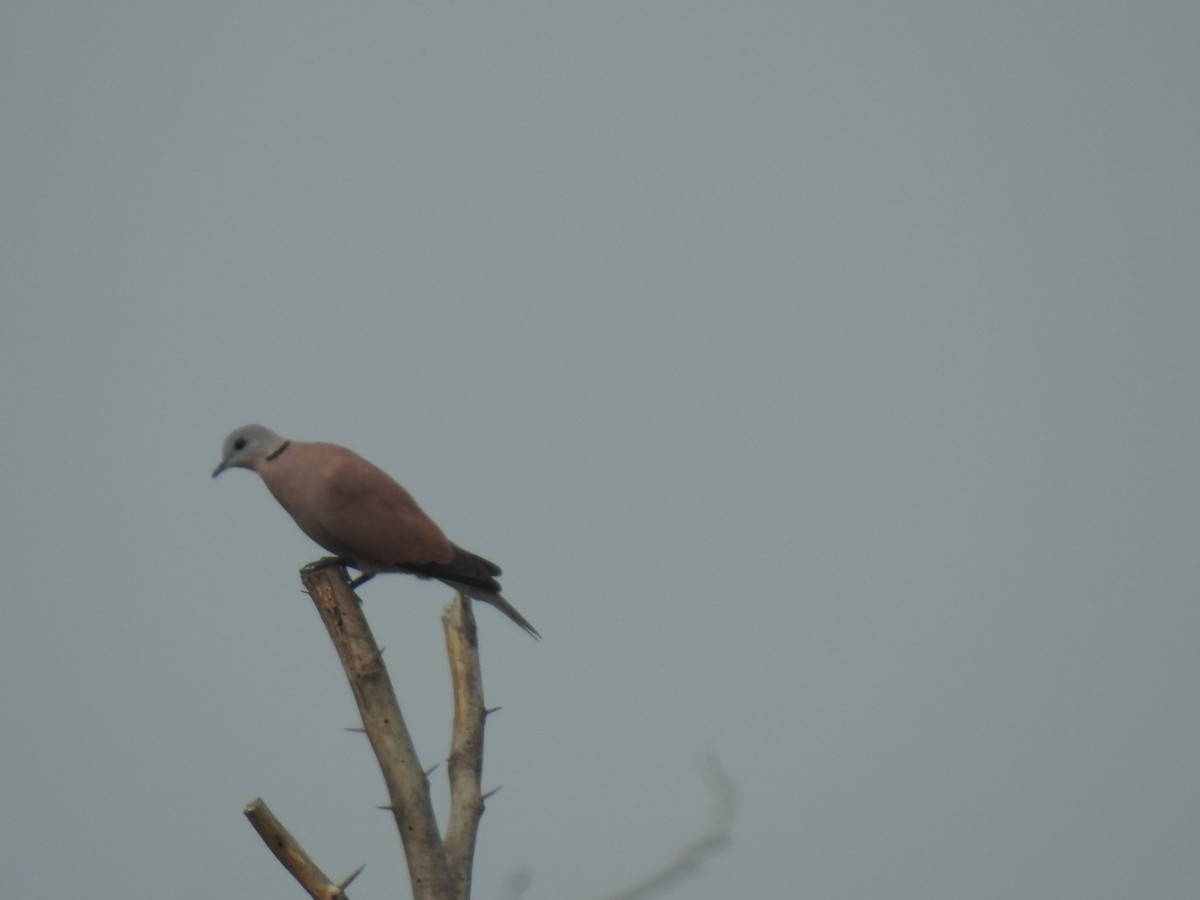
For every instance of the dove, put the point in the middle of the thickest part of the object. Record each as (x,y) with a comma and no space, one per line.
(360,514)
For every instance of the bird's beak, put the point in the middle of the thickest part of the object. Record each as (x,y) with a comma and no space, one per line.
(219,469)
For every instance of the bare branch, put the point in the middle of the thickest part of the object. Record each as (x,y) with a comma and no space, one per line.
(688,860)
(465,765)
(408,788)
(289,852)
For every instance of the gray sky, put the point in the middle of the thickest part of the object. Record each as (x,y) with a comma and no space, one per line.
(825,380)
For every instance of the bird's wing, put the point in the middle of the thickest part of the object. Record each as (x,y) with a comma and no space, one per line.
(368,516)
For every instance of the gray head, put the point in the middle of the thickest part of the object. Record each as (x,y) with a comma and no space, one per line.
(246,447)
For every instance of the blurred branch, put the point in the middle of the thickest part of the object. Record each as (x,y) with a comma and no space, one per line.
(289,852)
(687,861)
(465,766)
(408,788)
(516,884)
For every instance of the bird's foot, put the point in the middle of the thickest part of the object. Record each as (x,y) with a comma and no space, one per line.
(326,562)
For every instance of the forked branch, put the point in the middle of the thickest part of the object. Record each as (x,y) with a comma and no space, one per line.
(408,788)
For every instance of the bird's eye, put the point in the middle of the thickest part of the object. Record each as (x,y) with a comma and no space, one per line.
(239,444)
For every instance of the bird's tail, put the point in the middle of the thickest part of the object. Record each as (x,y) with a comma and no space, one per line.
(476,577)
(494,598)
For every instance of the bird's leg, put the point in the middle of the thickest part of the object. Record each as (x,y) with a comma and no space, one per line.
(361,579)
(327,562)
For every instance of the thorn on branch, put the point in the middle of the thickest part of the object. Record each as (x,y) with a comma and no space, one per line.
(345,882)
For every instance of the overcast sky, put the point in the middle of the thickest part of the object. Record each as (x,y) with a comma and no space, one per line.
(824,377)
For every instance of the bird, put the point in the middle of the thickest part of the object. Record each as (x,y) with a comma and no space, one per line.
(360,514)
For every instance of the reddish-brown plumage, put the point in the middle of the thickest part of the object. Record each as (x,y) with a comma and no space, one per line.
(358,512)
(353,508)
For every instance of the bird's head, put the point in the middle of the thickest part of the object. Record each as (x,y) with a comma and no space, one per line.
(246,447)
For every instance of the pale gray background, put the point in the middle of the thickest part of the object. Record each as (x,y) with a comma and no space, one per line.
(824,377)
